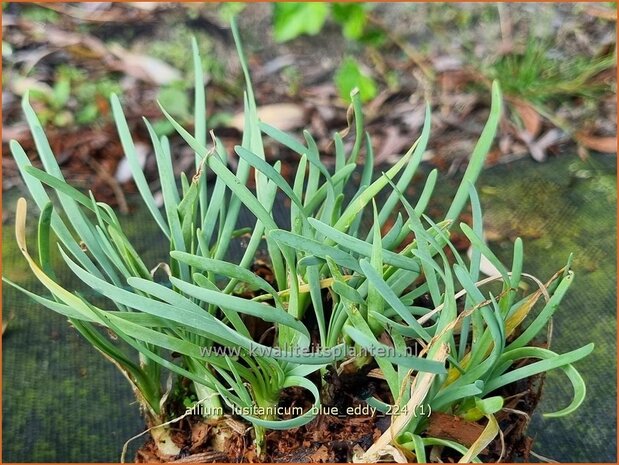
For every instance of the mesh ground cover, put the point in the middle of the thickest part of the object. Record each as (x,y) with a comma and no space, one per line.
(62,402)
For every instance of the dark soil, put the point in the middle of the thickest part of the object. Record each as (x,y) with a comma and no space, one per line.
(334,439)
(335,435)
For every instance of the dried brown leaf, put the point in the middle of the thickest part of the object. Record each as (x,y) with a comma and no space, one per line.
(599,144)
(20,85)
(283,116)
(453,428)
(320,456)
(145,68)
(602,12)
(529,116)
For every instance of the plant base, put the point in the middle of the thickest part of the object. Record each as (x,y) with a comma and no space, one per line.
(334,439)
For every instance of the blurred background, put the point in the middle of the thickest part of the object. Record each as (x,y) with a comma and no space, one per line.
(550,176)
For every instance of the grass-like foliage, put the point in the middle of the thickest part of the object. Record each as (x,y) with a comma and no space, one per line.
(540,78)
(358,288)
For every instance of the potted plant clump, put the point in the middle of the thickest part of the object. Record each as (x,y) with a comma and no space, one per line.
(354,345)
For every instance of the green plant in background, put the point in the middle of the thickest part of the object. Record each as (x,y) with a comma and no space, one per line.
(350,76)
(174,51)
(538,77)
(546,81)
(227,11)
(174,96)
(293,19)
(468,341)
(175,99)
(290,20)
(36,13)
(74,98)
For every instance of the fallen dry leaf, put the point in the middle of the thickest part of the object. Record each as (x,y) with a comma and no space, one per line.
(454,81)
(147,6)
(283,116)
(529,116)
(98,12)
(599,11)
(72,41)
(454,428)
(391,144)
(145,68)
(20,85)
(599,144)
(199,435)
(320,456)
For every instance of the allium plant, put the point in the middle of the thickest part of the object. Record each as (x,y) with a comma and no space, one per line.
(469,340)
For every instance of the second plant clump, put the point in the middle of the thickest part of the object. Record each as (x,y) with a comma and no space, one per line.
(338,296)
